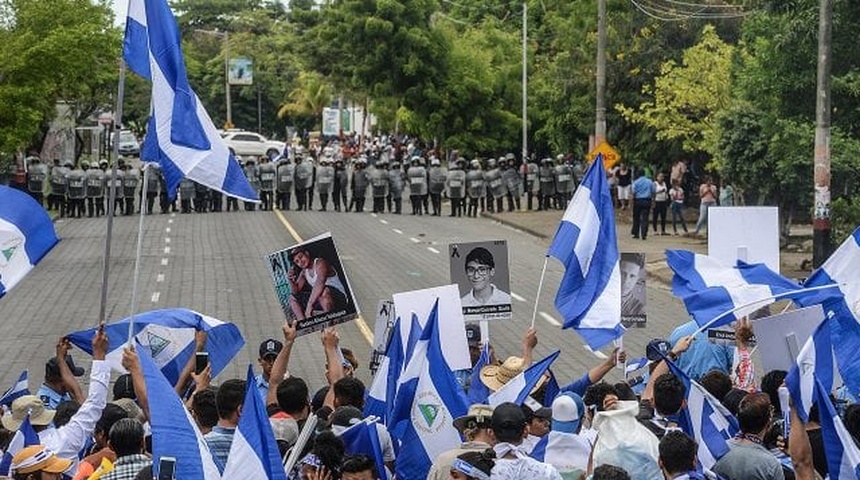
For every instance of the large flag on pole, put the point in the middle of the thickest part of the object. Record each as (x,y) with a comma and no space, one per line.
(168,334)
(380,396)
(843,456)
(428,401)
(709,288)
(589,296)
(26,235)
(180,135)
(814,364)
(254,453)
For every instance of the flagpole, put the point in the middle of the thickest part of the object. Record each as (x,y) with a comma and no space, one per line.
(137,256)
(117,123)
(761,300)
(540,287)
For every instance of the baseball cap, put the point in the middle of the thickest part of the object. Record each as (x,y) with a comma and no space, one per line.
(473,335)
(508,417)
(54,369)
(270,347)
(656,349)
(543,412)
(567,411)
(38,458)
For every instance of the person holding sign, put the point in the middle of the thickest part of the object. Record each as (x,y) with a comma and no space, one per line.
(480,270)
(315,285)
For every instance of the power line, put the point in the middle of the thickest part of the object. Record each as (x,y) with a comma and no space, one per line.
(677,10)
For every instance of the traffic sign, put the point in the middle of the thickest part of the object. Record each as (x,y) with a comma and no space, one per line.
(610,156)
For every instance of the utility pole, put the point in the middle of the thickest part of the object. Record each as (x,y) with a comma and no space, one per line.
(600,111)
(227,80)
(525,85)
(821,217)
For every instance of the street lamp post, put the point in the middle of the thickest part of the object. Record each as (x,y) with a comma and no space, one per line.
(229,123)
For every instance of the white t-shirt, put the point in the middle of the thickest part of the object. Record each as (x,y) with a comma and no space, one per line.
(497,298)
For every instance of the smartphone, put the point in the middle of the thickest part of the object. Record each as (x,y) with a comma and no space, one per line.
(201,359)
(167,468)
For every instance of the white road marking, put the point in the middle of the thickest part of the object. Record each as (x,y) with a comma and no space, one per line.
(170,221)
(414,240)
(173,214)
(550,319)
(518,298)
(159,278)
(384,222)
(596,353)
(163,262)
(166,239)
(373,215)
(432,249)
(155,297)
(166,250)
(399,232)
(167,230)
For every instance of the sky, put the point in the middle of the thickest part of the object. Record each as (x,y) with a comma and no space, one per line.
(120,7)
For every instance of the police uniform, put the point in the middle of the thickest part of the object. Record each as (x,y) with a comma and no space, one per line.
(186,194)
(130,182)
(341,185)
(417,177)
(513,184)
(563,185)
(325,182)
(532,184)
(359,182)
(267,174)
(455,181)
(436,185)
(395,188)
(95,190)
(59,188)
(285,172)
(304,173)
(201,198)
(547,184)
(379,184)
(164,201)
(475,188)
(152,186)
(36,176)
(77,192)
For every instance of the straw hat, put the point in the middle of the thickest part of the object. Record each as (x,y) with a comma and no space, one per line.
(496,376)
(31,404)
(477,415)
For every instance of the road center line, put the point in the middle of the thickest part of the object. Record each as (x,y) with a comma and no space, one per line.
(518,298)
(366,332)
(167,230)
(414,240)
(166,239)
(166,250)
(373,215)
(432,249)
(550,319)
(163,262)
(170,221)
(159,278)
(155,297)
(397,231)
(384,222)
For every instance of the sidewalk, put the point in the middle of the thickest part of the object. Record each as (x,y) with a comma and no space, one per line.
(543,224)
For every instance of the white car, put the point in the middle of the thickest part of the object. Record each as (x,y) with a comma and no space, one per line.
(243,144)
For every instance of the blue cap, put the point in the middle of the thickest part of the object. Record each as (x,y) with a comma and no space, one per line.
(567,411)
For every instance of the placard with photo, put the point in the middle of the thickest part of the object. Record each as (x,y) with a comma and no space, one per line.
(481,271)
(633,293)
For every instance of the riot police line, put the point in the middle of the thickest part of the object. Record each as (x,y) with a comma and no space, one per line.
(299,179)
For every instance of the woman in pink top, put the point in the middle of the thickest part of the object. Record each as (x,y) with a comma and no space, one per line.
(708,198)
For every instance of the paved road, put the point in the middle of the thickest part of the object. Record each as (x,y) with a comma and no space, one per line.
(213,263)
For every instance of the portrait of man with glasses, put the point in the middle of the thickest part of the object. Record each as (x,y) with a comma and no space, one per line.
(480,272)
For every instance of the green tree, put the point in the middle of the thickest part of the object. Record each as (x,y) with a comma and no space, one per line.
(308,99)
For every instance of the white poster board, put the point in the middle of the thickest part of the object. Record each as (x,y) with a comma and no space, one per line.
(750,234)
(781,337)
(452,328)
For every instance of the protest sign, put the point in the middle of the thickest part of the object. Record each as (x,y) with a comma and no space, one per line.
(750,234)
(311,285)
(633,293)
(385,318)
(480,270)
(452,329)
(781,336)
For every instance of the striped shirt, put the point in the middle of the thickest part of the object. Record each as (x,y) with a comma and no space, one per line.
(219,441)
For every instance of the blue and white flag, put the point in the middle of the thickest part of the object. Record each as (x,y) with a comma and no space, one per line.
(705,419)
(427,403)
(168,334)
(26,235)
(18,390)
(174,432)
(478,392)
(517,389)
(380,396)
(589,296)
(180,135)
(843,456)
(26,436)
(842,306)
(814,364)
(635,364)
(709,288)
(363,439)
(565,451)
(254,453)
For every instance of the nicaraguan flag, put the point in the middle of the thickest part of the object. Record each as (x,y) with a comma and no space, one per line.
(705,419)
(709,288)
(843,456)
(519,387)
(636,364)
(26,235)
(18,390)
(380,396)
(842,306)
(814,364)
(589,296)
(478,392)
(427,403)
(254,453)
(180,135)
(26,436)
(363,439)
(565,451)
(168,334)
(174,433)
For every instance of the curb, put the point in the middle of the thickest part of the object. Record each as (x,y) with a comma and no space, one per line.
(513,224)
